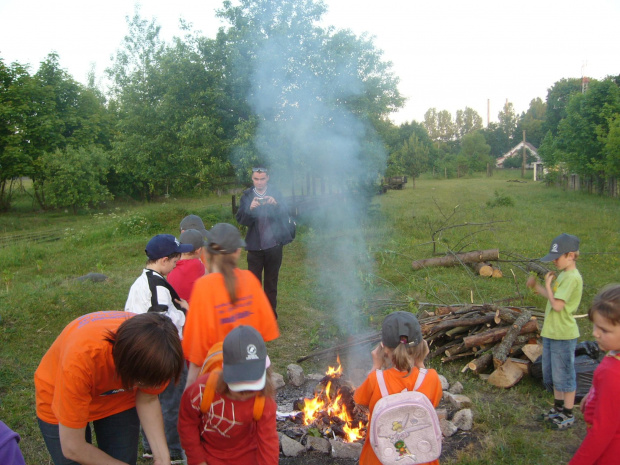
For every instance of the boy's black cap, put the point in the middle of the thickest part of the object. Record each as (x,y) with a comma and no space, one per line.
(399,324)
(193,222)
(162,245)
(226,237)
(192,237)
(562,244)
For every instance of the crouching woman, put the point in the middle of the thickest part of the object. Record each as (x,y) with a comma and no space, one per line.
(107,368)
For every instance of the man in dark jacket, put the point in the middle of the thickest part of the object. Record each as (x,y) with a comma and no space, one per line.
(263,210)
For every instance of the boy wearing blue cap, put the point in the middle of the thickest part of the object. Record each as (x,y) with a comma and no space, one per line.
(152,293)
(560,330)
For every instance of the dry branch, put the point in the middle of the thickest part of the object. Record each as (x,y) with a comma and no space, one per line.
(496,334)
(502,350)
(455,259)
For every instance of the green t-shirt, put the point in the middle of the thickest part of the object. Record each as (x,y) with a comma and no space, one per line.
(562,325)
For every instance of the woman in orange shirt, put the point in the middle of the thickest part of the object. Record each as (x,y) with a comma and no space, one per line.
(107,368)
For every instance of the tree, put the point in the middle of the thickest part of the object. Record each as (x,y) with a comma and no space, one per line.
(474,152)
(467,121)
(507,125)
(412,158)
(558,97)
(532,122)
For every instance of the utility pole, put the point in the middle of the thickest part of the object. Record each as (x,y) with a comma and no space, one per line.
(524,157)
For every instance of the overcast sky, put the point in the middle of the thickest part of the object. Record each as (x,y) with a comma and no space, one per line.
(448,54)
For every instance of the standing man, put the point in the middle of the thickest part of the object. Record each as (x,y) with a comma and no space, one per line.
(263,210)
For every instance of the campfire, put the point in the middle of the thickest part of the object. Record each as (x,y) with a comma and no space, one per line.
(332,412)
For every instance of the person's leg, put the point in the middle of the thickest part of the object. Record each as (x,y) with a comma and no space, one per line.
(170,401)
(51,437)
(256,263)
(117,435)
(273,261)
(564,379)
(546,364)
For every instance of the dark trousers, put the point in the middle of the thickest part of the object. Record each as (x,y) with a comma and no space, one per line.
(269,262)
(117,435)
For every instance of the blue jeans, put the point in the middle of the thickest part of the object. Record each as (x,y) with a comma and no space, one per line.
(170,401)
(117,435)
(558,364)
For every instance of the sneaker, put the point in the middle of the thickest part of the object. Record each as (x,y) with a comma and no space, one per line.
(548,416)
(562,421)
(176,457)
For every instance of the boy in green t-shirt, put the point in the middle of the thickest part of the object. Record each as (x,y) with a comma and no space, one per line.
(560,330)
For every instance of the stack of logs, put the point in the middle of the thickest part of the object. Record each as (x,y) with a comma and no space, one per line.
(504,339)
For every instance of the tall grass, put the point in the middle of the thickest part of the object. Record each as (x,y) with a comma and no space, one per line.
(39,294)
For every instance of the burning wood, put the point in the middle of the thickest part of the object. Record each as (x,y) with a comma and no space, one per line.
(332,411)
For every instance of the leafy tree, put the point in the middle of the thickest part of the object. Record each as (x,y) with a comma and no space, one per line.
(507,125)
(467,121)
(558,97)
(411,159)
(74,178)
(611,148)
(532,122)
(474,154)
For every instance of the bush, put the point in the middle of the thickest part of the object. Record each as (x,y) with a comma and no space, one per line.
(500,200)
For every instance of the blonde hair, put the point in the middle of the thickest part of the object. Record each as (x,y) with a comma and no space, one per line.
(225,264)
(404,357)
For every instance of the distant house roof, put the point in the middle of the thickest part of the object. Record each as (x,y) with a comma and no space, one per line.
(517,150)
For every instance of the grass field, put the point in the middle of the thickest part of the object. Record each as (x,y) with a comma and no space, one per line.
(39,294)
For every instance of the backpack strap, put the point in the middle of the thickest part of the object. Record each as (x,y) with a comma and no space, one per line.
(383,387)
(214,359)
(155,280)
(209,393)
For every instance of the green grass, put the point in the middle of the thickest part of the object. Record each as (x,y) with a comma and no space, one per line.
(39,294)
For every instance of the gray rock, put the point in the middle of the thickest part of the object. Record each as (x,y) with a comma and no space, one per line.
(447,428)
(318,444)
(278,380)
(94,277)
(445,385)
(463,419)
(290,447)
(456,388)
(345,450)
(442,413)
(295,374)
(459,401)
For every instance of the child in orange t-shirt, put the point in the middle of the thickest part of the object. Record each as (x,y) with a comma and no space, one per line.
(402,347)
(232,429)
(225,298)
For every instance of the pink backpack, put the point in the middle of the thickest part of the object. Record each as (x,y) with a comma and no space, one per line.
(404,428)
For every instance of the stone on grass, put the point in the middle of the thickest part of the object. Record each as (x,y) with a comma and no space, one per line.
(318,444)
(345,450)
(93,277)
(458,401)
(456,388)
(295,374)
(442,413)
(290,447)
(463,419)
(445,385)
(278,380)
(447,428)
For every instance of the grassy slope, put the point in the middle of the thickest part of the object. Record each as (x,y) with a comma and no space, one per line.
(38,294)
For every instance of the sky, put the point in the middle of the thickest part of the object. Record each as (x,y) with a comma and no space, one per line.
(448,54)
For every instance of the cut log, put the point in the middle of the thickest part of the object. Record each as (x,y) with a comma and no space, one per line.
(455,323)
(481,363)
(456,357)
(459,349)
(533,351)
(521,364)
(502,350)
(506,315)
(496,334)
(506,376)
(496,273)
(483,269)
(452,260)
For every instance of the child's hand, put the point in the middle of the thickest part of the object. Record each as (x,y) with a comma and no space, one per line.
(531,282)
(549,277)
(377,357)
(183,303)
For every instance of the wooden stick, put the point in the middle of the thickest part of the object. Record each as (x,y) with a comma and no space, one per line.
(501,350)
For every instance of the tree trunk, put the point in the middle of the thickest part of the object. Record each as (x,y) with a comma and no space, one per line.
(483,269)
(501,350)
(496,334)
(481,363)
(452,260)
(506,376)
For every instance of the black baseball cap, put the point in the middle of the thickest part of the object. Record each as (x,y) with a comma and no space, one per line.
(399,325)
(162,245)
(226,237)
(245,359)
(562,244)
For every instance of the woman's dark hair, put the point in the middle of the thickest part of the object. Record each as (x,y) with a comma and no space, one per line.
(607,303)
(169,257)
(147,351)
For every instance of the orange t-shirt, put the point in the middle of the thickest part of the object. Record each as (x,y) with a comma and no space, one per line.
(76,381)
(211,316)
(369,394)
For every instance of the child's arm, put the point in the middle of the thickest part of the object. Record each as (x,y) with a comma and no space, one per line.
(536,287)
(556,304)
(189,426)
(268,451)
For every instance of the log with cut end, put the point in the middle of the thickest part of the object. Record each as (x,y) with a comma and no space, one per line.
(533,351)
(483,269)
(502,350)
(455,259)
(481,363)
(496,273)
(506,376)
(521,364)
(496,334)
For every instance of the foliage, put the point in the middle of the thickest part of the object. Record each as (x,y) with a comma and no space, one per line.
(558,97)
(532,122)
(475,152)
(73,178)
(500,199)
(516,161)
(412,158)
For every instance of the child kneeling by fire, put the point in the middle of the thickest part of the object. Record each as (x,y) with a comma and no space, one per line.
(229,416)
(400,359)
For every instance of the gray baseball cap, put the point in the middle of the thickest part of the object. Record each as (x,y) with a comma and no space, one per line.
(192,237)
(399,325)
(224,238)
(562,244)
(193,222)
(245,359)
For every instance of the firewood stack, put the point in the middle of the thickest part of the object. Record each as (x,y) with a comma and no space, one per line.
(502,339)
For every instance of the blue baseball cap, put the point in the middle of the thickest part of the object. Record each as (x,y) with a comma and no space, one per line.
(162,245)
